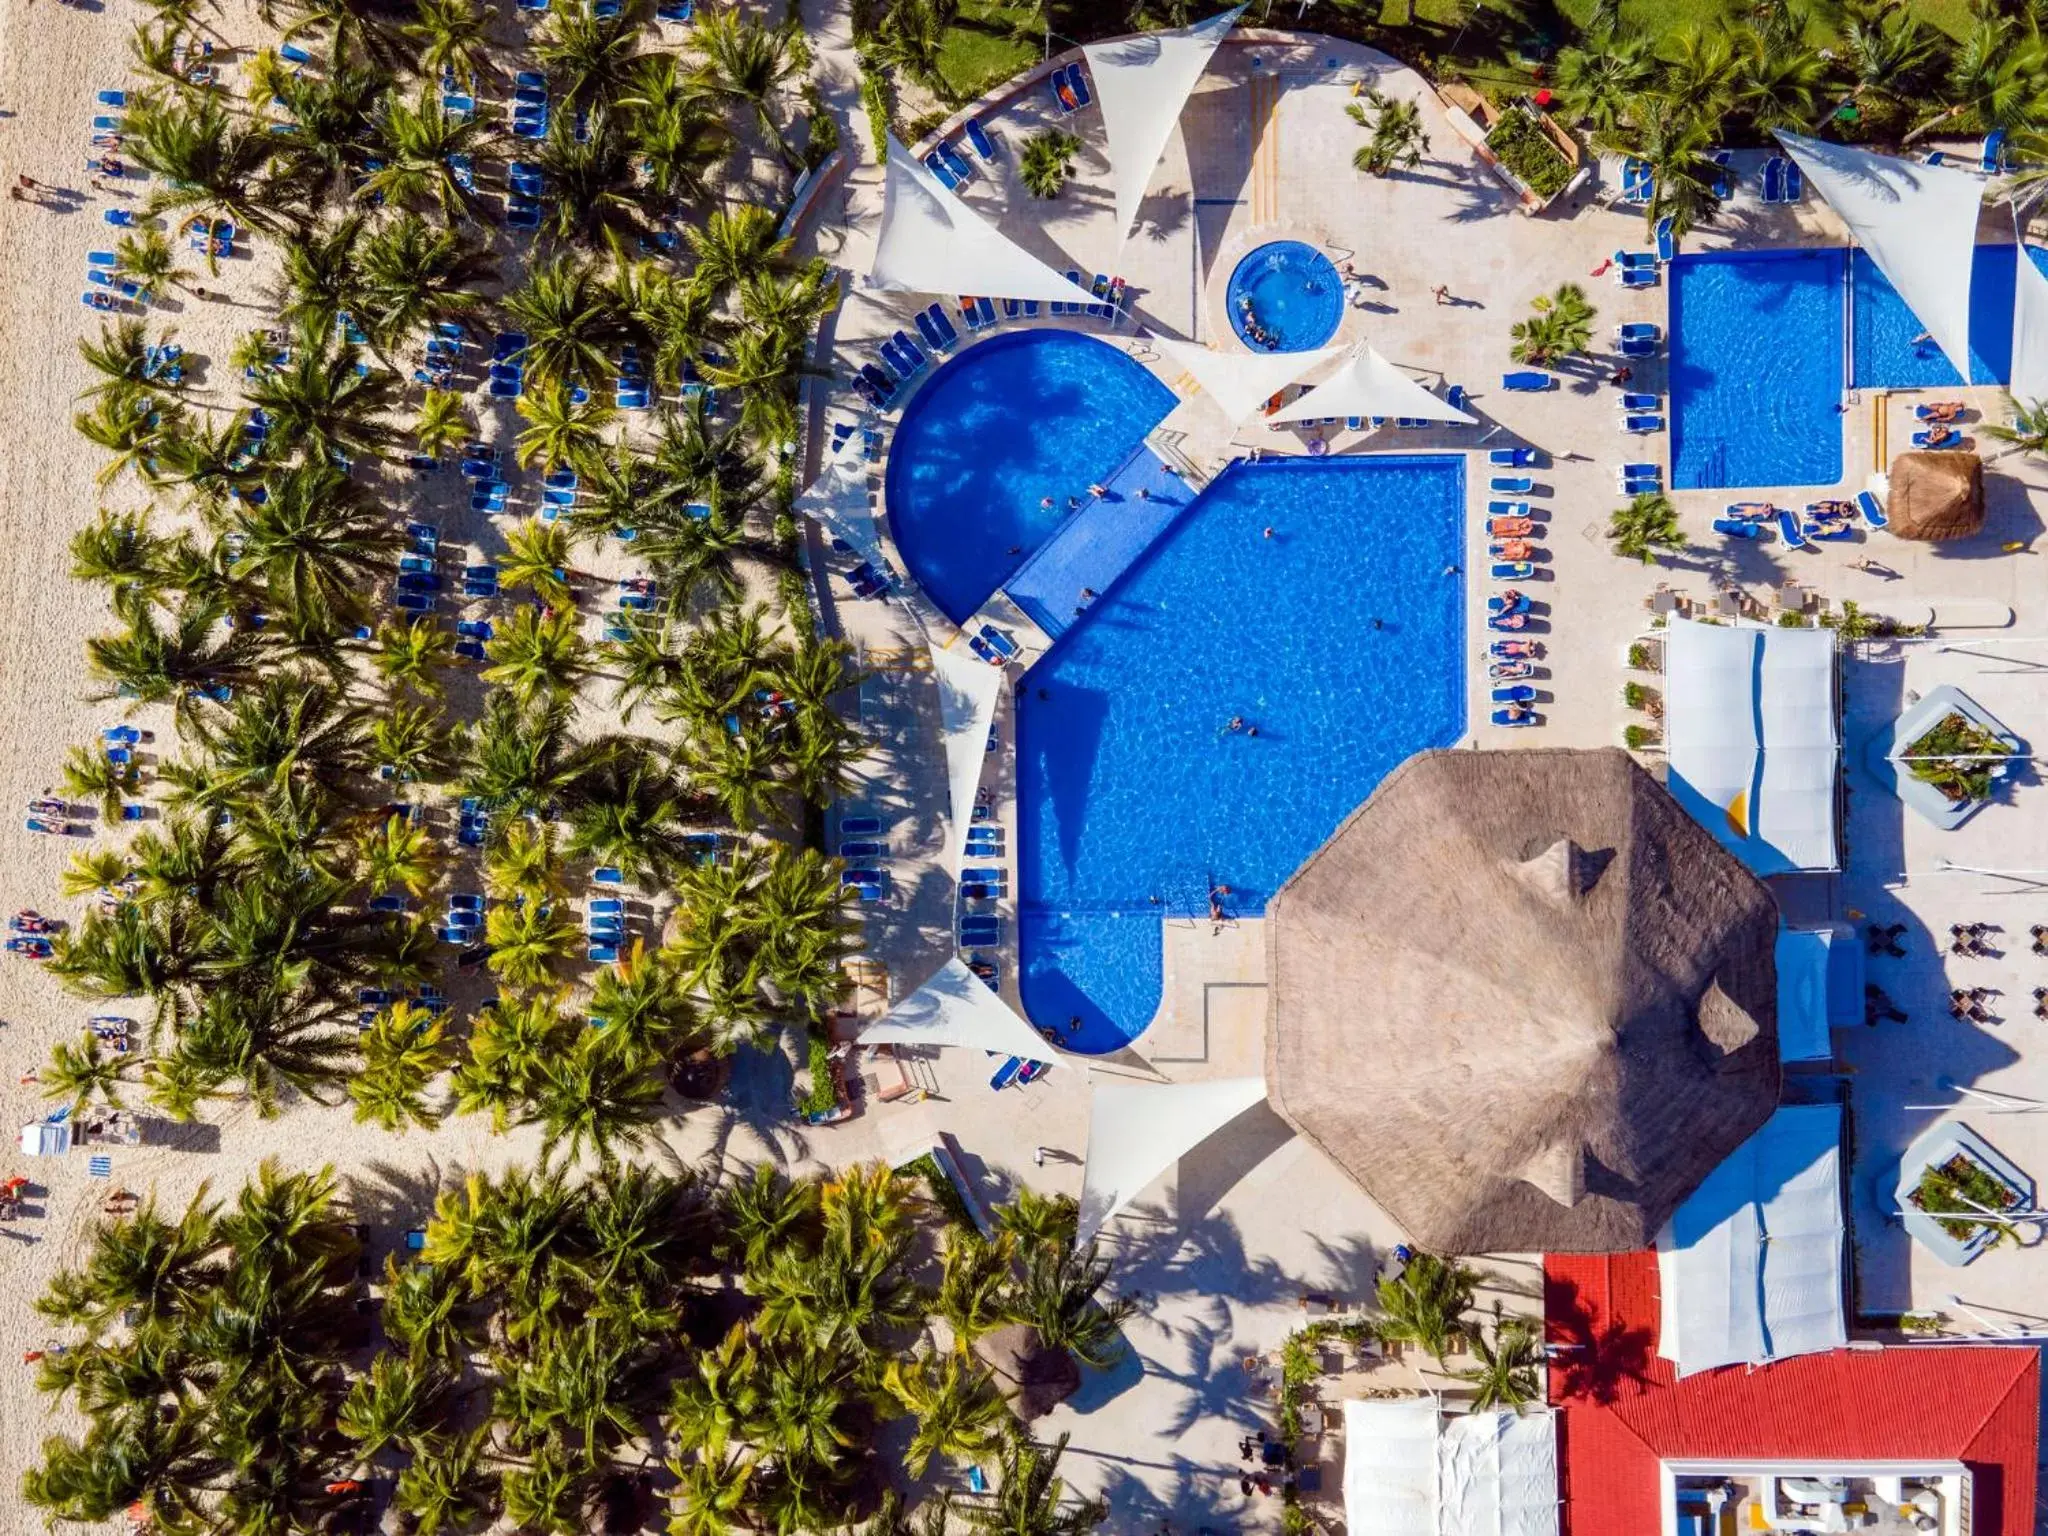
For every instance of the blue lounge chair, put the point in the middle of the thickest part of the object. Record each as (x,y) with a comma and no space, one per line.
(941,171)
(1940,438)
(1642,425)
(1630,402)
(1456,398)
(603,954)
(1638,346)
(979,141)
(678,11)
(113,98)
(1739,527)
(1788,530)
(1638,330)
(1992,160)
(863,849)
(944,326)
(1635,260)
(120,218)
(1795,182)
(1507,717)
(962,171)
(929,331)
(1667,239)
(1498,603)
(910,351)
(1507,509)
(985,309)
(1513,485)
(1872,509)
(1006,1074)
(292,53)
(1077,77)
(1637,277)
(859,826)
(1527,381)
(1515,693)
(985,874)
(1774,179)
(1513,570)
(1724,180)
(1513,458)
(1838,533)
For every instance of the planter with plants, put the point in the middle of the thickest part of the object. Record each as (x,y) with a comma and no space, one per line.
(1958,758)
(1966,1187)
(1953,1186)
(1946,756)
(1524,150)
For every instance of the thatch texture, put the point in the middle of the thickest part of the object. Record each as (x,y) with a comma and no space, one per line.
(1032,1378)
(1525,1000)
(1936,495)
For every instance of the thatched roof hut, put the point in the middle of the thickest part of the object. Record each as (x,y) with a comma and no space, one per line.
(1033,1378)
(1524,1000)
(1936,495)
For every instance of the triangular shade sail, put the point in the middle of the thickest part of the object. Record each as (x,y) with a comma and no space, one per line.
(931,242)
(838,499)
(956,1007)
(1917,221)
(1142,83)
(1136,1131)
(2029,326)
(1241,382)
(1369,385)
(968,691)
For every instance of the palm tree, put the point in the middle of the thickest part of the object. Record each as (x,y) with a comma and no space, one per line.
(211,460)
(404,1050)
(537,655)
(526,941)
(1047,161)
(1647,524)
(418,143)
(1397,142)
(602,1099)
(1998,75)
(323,402)
(714,1494)
(678,139)
(320,284)
(975,1284)
(131,424)
(646,1009)
(447,1487)
(82,1073)
(960,1415)
(1700,75)
(400,1403)
(1426,1303)
(410,739)
(744,65)
(150,664)
(412,275)
(413,652)
(592,58)
(92,775)
(318,543)
(444,423)
(398,855)
(120,357)
(1605,82)
(1057,1296)
(209,163)
(2029,429)
(569,321)
(452,37)
(765,368)
(560,430)
(324,146)
(511,1040)
(1561,327)
(518,760)
(118,549)
(592,181)
(1779,86)
(1678,150)
(765,1212)
(1508,1373)
(630,819)
(1030,1495)
(734,244)
(147,259)
(523,865)
(1888,53)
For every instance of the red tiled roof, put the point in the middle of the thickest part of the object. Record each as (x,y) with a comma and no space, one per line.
(1622,1409)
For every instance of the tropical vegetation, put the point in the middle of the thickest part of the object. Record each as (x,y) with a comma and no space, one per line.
(1647,524)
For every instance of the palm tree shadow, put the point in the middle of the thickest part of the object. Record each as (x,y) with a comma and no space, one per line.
(1599,1359)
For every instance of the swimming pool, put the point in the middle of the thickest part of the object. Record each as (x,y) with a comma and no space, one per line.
(1285,296)
(1756,369)
(1339,639)
(1888,353)
(1009,422)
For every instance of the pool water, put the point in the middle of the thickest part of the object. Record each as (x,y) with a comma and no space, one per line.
(1294,294)
(1756,369)
(1888,353)
(1339,639)
(1012,420)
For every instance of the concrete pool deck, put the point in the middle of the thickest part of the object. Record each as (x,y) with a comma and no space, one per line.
(1223,1248)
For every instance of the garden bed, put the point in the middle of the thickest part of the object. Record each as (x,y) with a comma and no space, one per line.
(1527,148)
(1955,756)
(1963,1184)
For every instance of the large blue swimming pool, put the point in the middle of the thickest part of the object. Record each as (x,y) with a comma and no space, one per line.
(1011,421)
(1339,639)
(1889,354)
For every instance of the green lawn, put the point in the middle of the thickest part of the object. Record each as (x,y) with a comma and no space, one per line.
(979,51)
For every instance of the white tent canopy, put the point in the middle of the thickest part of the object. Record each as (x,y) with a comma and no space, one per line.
(1142,82)
(1241,382)
(838,501)
(1751,739)
(1917,221)
(1136,1131)
(968,690)
(1368,385)
(956,1007)
(931,242)
(1751,1265)
(2029,325)
(1410,1472)
(1803,961)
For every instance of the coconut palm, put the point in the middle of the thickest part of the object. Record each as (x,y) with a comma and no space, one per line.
(257,1043)
(156,52)
(289,725)
(511,1040)
(631,819)
(1888,53)
(1057,1295)
(594,196)
(1998,75)
(447,1486)
(645,665)
(211,458)
(537,556)
(1030,1497)
(93,872)
(400,1403)
(765,368)
(1780,85)
(1700,75)
(744,66)
(960,1415)
(569,320)
(1678,150)
(147,259)
(452,38)
(1604,82)
(2029,428)
(974,1294)
(526,941)
(443,423)
(412,275)
(131,424)
(154,664)
(208,162)
(734,244)
(1509,1369)
(519,760)
(1647,524)
(397,855)
(1047,162)
(410,739)
(412,652)
(911,38)
(318,544)
(323,402)
(1426,1304)
(592,58)
(91,775)
(537,655)
(83,1073)
(523,865)
(320,284)
(680,141)
(118,549)
(325,145)
(418,143)
(646,1009)
(765,1212)
(560,430)
(1397,142)
(120,357)
(404,1050)
(594,1098)
(1562,326)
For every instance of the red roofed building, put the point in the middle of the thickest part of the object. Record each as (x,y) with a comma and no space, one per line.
(1625,1419)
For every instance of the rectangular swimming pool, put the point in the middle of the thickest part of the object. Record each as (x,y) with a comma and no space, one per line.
(1888,351)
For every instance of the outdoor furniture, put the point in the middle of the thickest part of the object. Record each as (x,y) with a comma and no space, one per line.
(1663,602)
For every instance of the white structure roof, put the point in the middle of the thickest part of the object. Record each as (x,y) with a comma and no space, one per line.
(956,1007)
(1241,382)
(46,1138)
(838,501)
(1751,1265)
(1752,740)
(968,690)
(1803,961)
(1141,83)
(2029,327)
(1917,221)
(1410,1472)
(931,242)
(1366,384)
(1136,1131)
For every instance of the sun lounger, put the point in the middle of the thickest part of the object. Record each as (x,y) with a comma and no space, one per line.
(859,826)
(1667,239)
(1638,330)
(1507,508)
(1774,179)
(120,218)
(1788,530)
(1512,485)
(1641,402)
(112,98)
(1528,381)
(1635,260)
(1637,348)
(1642,425)
(1739,527)
(1513,458)
(941,171)
(292,53)
(1499,603)
(1512,570)
(912,353)
(979,141)
(1514,693)
(1872,509)
(1636,277)
(1064,97)
(1077,77)
(962,171)
(1795,182)
(1509,717)
(1991,161)
(602,954)
(1940,438)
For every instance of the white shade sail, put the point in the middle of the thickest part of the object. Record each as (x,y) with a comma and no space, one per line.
(931,242)
(1390,1467)
(1750,1267)
(1136,1131)
(838,501)
(1803,961)
(956,1007)
(1368,385)
(1917,221)
(968,691)
(2029,324)
(1142,82)
(1241,382)
(1410,1472)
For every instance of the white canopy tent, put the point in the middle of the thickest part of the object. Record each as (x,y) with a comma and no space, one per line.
(1751,1265)
(838,501)
(968,690)
(1917,221)
(1803,959)
(1408,1471)
(1241,382)
(1142,82)
(1752,742)
(1367,384)
(46,1138)
(2029,323)
(956,1007)
(1136,1131)
(931,242)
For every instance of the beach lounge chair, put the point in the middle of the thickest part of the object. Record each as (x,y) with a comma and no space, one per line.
(1642,425)
(677,11)
(1724,180)
(990,874)
(1788,530)
(1512,485)
(607,875)
(1064,97)
(910,351)
(999,642)
(1457,399)
(943,325)
(1638,330)
(979,141)
(962,171)
(1509,717)
(1990,162)
(1774,179)
(1514,693)
(1512,570)
(1006,1074)
(1795,182)
(1631,402)
(1872,510)
(120,218)
(1739,527)
(1637,347)
(859,826)
(1940,438)
(1636,277)
(1667,239)
(1507,509)
(602,954)
(1835,533)
(1499,603)
(1635,260)
(1513,458)
(1077,77)
(112,98)
(1527,381)
(292,53)
(942,171)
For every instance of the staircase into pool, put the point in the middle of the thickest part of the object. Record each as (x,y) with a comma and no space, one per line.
(1104,538)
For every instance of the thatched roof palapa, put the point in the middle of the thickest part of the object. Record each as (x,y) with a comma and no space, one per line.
(1936,495)
(1525,1000)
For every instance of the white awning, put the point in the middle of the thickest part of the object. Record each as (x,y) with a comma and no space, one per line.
(1241,382)
(968,690)
(2029,325)
(1142,82)
(1751,1265)
(931,242)
(1410,1472)
(1917,221)
(838,501)
(956,1007)
(1751,739)
(1136,1131)
(1369,385)
(1803,960)
(46,1138)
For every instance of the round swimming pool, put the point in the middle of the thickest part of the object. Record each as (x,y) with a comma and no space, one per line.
(1285,296)
(989,452)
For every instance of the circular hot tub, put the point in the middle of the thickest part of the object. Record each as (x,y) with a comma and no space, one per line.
(1285,296)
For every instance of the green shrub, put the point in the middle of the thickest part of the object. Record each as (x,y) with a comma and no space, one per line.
(1637,737)
(1639,657)
(1950,755)
(821,1099)
(878,100)
(823,136)
(1519,143)
(941,1189)
(1635,695)
(1792,621)
(1962,1184)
